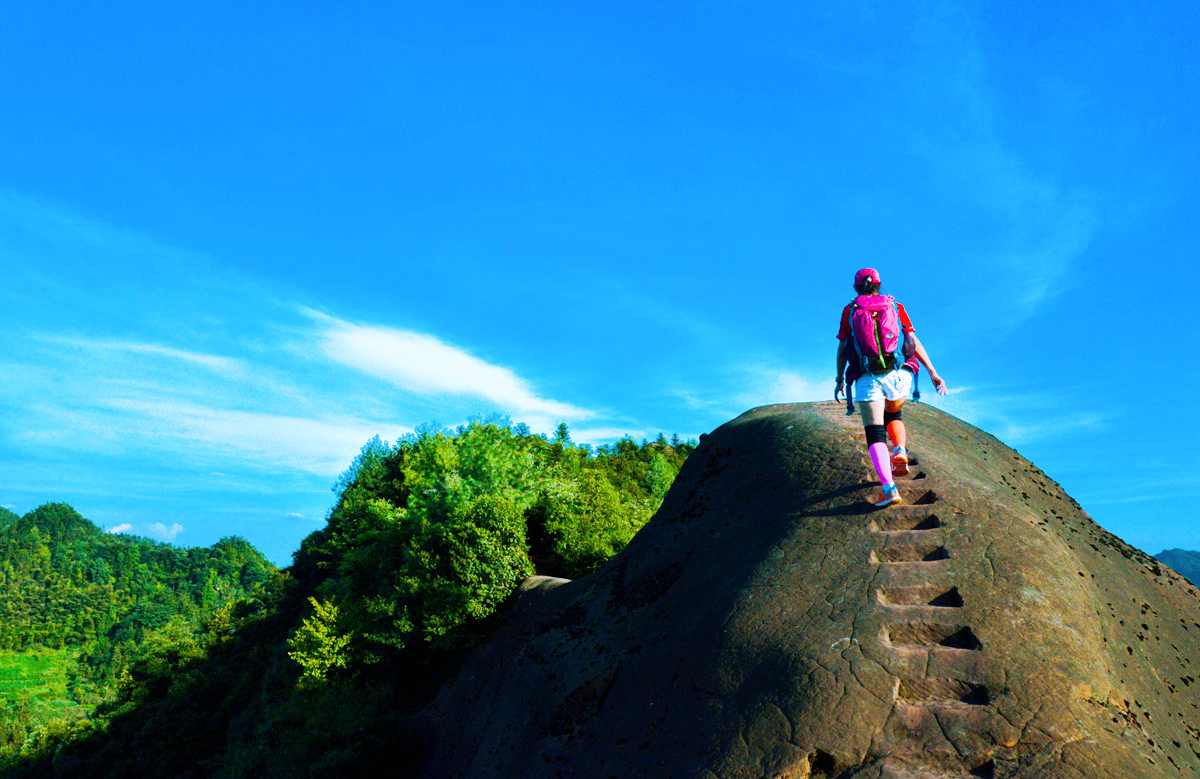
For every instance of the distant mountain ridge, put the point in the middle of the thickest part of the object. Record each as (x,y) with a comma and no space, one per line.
(57,520)
(66,582)
(1184,561)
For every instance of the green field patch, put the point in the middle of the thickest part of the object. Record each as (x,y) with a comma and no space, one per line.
(39,676)
(41,669)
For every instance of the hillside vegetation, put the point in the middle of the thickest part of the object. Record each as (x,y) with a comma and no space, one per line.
(318,672)
(80,609)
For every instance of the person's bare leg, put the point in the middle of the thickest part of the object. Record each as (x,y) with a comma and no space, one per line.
(871,411)
(877,448)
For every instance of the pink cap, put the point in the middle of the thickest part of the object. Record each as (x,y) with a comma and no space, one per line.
(867,274)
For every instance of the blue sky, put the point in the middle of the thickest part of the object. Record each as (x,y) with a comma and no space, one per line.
(239,240)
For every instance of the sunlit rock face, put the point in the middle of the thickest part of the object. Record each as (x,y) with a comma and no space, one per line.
(768,622)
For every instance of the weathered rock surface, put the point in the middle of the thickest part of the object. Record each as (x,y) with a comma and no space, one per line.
(769,623)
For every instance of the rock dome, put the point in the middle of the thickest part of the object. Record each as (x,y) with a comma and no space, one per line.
(768,622)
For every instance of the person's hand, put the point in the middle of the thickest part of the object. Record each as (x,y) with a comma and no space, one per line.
(838,390)
(939,384)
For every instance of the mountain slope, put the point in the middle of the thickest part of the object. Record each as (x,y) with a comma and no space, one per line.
(65,582)
(768,622)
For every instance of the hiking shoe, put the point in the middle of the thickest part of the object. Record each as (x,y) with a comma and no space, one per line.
(899,461)
(889,496)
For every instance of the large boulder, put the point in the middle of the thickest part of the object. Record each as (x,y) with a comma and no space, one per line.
(768,622)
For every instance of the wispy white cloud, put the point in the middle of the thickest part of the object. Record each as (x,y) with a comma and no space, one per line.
(425,365)
(792,387)
(1042,230)
(707,401)
(114,399)
(1168,492)
(765,384)
(93,345)
(156,530)
(162,532)
(111,397)
(1056,231)
(318,446)
(745,385)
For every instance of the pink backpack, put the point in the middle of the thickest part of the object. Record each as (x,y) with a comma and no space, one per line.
(878,337)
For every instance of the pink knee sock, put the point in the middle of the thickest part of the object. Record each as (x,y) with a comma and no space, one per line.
(881,458)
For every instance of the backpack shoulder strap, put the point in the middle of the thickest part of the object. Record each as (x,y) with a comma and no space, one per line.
(903,346)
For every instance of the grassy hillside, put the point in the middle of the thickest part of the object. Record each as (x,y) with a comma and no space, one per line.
(319,673)
(37,693)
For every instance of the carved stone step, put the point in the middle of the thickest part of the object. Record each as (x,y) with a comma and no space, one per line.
(926,692)
(935,595)
(906,520)
(927,634)
(911,553)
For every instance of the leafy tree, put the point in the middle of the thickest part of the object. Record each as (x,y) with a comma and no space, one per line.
(425,537)
(316,645)
(581,522)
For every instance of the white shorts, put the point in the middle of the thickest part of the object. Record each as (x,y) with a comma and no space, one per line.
(890,386)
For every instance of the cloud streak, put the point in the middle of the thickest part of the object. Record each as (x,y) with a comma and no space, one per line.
(122,398)
(422,364)
(262,411)
(317,446)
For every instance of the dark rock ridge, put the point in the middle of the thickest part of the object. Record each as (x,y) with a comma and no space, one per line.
(769,623)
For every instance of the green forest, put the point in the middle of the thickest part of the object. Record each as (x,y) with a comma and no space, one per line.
(80,607)
(210,662)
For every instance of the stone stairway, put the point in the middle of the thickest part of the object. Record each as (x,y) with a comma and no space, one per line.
(926,632)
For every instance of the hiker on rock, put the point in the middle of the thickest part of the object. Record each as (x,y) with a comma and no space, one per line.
(880,354)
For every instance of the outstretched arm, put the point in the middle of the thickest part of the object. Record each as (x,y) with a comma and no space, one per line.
(842,361)
(938,382)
